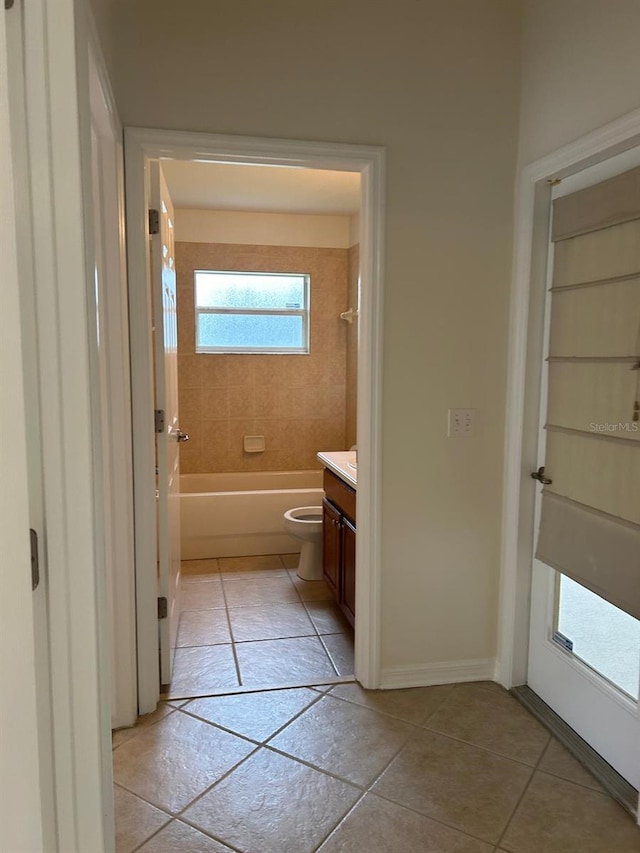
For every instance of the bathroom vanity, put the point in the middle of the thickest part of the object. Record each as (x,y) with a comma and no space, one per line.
(339,528)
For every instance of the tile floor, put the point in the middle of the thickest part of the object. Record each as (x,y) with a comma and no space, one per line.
(337,769)
(250,622)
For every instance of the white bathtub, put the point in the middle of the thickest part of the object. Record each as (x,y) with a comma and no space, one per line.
(233,515)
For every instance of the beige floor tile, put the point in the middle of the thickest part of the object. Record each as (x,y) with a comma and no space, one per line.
(252,564)
(465,787)
(340,650)
(195,571)
(201,669)
(490,719)
(135,820)
(172,762)
(353,742)
(254,715)
(270,622)
(253,591)
(556,816)
(273,804)
(276,662)
(177,837)
(487,685)
(378,825)
(327,617)
(121,736)
(202,596)
(413,704)
(290,561)
(559,762)
(311,590)
(203,628)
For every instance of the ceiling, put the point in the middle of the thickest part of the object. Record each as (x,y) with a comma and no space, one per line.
(268,189)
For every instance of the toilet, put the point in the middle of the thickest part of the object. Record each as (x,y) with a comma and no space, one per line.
(305,523)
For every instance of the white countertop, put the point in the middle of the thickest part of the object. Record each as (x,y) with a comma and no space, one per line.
(343,463)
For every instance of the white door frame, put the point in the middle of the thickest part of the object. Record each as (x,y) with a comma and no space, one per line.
(115,380)
(58,209)
(526,328)
(143,144)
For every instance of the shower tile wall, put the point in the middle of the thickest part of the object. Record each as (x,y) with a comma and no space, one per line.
(298,402)
(353,279)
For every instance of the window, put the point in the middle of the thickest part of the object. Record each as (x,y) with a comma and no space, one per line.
(251,312)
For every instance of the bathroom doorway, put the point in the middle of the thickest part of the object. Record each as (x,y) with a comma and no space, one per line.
(228,391)
(267,263)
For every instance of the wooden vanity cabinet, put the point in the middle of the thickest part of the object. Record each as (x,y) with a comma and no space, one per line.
(331,546)
(339,542)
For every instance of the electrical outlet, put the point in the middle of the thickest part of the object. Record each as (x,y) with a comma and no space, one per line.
(461,422)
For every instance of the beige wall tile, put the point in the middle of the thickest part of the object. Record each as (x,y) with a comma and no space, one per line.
(279,396)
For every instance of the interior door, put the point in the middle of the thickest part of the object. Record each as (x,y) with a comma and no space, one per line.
(584,654)
(168,435)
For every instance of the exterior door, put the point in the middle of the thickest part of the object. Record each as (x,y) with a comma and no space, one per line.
(168,435)
(584,657)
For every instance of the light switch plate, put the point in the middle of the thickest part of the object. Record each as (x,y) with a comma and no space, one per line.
(461,422)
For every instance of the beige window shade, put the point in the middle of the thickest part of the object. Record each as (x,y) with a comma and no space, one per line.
(590,522)
(608,203)
(596,550)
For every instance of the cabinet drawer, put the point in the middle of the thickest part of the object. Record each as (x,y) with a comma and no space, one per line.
(340,494)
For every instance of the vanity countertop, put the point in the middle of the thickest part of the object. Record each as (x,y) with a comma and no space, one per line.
(343,463)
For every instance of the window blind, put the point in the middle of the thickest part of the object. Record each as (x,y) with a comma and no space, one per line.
(590,521)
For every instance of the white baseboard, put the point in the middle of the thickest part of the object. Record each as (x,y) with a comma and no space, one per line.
(428,674)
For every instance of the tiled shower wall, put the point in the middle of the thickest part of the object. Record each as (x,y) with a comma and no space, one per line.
(352,345)
(298,402)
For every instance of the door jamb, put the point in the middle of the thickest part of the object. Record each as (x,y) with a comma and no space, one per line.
(532,208)
(142,144)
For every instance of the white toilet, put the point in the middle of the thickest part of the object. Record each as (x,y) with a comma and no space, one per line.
(305,523)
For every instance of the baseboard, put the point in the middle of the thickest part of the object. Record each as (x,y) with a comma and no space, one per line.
(428,674)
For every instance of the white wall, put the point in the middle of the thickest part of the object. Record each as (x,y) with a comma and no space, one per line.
(437,83)
(262,229)
(581,67)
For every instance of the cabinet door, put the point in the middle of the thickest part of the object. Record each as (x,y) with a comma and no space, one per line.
(349,569)
(331,529)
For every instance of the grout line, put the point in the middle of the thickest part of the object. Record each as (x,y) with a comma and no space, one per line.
(233,644)
(262,688)
(246,737)
(522,795)
(481,748)
(340,821)
(153,835)
(225,775)
(433,818)
(137,728)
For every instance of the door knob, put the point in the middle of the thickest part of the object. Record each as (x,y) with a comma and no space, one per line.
(182,436)
(539,475)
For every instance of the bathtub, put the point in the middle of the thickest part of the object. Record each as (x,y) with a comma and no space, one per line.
(233,515)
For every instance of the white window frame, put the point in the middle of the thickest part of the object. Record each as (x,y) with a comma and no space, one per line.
(296,312)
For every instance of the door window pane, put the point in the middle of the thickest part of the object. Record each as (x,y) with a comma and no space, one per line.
(604,637)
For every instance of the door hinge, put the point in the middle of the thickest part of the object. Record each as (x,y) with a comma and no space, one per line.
(154,221)
(35,560)
(163,607)
(159,420)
